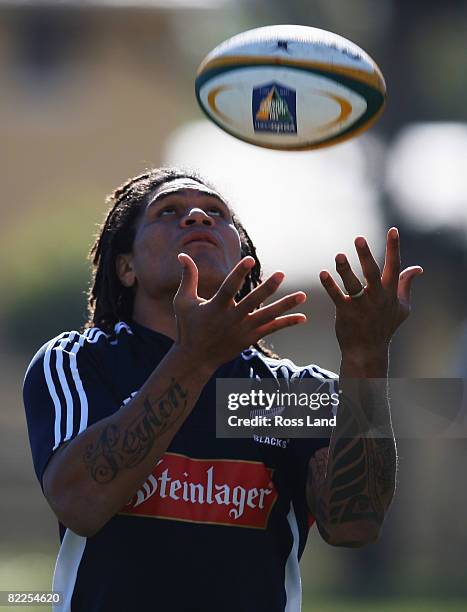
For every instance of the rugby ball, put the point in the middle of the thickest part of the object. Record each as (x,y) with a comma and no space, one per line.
(290,87)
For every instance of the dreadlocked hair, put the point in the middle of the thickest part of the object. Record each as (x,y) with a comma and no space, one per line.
(108,301)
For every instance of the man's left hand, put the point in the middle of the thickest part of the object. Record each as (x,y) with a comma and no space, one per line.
(366,322)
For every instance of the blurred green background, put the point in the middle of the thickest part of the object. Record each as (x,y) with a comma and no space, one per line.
(91,95)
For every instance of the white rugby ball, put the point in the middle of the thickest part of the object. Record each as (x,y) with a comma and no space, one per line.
(290,87)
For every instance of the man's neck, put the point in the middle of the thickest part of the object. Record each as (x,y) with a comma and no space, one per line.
(157,315)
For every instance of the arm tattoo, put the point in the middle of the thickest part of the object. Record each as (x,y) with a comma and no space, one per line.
(316,479)
(118,449)
(358,482)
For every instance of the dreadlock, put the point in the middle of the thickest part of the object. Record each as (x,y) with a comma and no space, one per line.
(108,300)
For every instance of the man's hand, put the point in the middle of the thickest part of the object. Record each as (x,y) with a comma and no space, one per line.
(351,483)
(217,330)
(365,324)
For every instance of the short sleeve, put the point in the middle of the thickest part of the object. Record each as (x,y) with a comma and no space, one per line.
(63,392)
(326,382)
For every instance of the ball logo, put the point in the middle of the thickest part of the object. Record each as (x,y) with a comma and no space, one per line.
(214,491)
(274,109)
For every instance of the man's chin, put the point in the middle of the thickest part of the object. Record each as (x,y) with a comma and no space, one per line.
(208,287)
(212,268)
(209,280)
(210,262)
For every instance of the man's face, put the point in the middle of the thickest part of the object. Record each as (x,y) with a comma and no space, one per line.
(184,216)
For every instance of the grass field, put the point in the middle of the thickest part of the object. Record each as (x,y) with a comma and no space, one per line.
(396,605)
(416,605)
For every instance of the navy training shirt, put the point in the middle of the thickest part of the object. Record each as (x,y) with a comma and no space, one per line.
(219,525)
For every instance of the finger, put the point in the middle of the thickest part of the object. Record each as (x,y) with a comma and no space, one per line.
(188,287)
(260,293)
(277,308)
(351,281)
(392,261)
(370,268)
(233,282)
(405,284)
(334,291)
(277,324)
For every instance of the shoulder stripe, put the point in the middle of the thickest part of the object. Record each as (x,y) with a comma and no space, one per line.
(52,390)
(64,382)
(95,338)
(91,333)
(83,423)
(121,325)
(66,363)
(59,350)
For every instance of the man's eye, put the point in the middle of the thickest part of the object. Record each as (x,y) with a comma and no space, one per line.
(215,210)
(168,210)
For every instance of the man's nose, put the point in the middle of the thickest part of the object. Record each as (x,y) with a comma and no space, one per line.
(196,216)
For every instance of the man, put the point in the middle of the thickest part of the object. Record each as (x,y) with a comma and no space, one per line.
(155,512)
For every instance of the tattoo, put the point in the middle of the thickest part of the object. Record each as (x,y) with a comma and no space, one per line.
(116,449)
(356,482)
(348,498)
(358,508)
(384,465)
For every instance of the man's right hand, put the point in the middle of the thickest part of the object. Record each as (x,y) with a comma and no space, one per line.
(217,330)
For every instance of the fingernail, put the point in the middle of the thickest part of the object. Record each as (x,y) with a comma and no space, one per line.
(278,277)
(394,233)
(323,275)
(360,242)
(341,258)
(298,321)
(301,297)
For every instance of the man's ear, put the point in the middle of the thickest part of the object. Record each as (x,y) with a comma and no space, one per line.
(124,269)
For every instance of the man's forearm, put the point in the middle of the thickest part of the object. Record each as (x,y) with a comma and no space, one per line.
(94,475)
(358,475)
